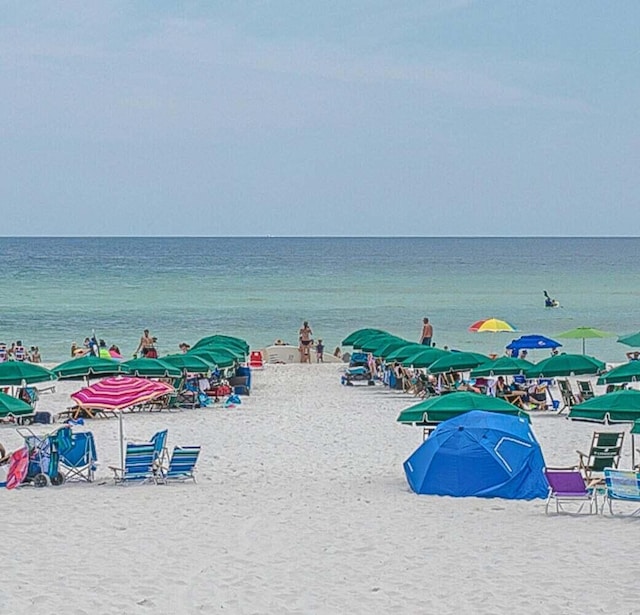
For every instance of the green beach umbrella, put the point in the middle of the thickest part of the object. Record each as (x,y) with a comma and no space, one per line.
(632,340)
(503,366)
(566,365)
(86,366)
(189,362)
(376,338)
(356,335)
(443,407)
(386,348)
(151,368)
(371,344)
(405,352)
(232,350)
(618,407)
(425,357)
(216,356)
(583,333)
(457,362)
(627,372)
(19,373)
(222,341)
(12,406)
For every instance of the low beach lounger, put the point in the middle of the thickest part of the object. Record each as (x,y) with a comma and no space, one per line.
(622,486)
(159,441)
(182,464)
(138,464)
(567,487)
(79,461)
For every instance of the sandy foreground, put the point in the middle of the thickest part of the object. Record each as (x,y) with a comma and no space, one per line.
(301,506)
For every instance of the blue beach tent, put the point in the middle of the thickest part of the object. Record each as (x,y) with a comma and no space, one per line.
(480,454)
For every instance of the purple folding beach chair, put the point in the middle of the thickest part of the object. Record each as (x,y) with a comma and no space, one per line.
(568,487)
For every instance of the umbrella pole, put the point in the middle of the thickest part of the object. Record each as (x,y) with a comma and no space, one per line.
(633,451)
(121,430)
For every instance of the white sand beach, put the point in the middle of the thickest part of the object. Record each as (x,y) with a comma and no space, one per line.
(302,506)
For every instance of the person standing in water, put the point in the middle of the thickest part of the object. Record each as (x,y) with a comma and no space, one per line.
(146,345)
(427,332)
(305,341)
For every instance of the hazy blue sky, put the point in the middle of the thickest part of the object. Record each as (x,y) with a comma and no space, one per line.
(449,117)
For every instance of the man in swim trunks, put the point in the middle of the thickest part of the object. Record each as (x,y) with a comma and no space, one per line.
(146,344)
(427,332)
(305,342)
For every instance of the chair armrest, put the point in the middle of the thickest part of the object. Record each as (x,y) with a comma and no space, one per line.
(574,467)
(595,482)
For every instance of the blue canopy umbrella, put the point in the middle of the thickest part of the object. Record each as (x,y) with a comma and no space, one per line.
(531,342)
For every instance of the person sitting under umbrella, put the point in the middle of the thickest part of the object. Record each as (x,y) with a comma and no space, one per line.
(537,396)
(510,393)
(463,385)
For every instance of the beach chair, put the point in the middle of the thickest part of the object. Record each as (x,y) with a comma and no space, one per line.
(79,461)
(256,360)
(159,441)
(604,453)
(568,488)
(585,389)
(568,398)
(446,383)
(138,464)
(187,396)
(520,380)
(181,464)
(612,388)
(622,486)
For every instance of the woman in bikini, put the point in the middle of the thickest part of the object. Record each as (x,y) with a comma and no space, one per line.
(305,342)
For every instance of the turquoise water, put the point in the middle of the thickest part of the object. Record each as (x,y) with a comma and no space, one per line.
(58,290)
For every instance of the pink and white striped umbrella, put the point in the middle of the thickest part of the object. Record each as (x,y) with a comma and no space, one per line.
(120,392)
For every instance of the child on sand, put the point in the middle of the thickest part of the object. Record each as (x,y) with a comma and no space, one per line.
(320,352)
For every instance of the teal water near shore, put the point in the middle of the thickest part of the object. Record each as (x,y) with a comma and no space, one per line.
(59,290)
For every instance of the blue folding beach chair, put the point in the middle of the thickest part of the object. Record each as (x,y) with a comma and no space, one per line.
(138,464)
(159,440)
(79,461)
(182,464)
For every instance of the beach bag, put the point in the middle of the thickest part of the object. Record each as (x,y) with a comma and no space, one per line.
(221,390)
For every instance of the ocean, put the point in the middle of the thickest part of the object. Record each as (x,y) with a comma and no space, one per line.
(59,290)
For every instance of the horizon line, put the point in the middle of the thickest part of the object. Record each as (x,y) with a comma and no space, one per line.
(270,236)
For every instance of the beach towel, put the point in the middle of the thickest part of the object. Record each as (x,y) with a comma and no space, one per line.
(18,467)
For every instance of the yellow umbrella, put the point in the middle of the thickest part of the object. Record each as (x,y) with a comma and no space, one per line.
(492,325)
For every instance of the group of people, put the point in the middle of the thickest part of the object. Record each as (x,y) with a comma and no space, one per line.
(522,396)
(96,348)
(18,352)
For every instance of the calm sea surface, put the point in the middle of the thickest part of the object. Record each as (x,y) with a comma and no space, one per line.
(59,290)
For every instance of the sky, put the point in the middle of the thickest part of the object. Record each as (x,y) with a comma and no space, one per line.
(332,118)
